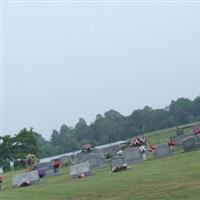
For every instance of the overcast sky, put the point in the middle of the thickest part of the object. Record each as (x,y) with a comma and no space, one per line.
(63,62)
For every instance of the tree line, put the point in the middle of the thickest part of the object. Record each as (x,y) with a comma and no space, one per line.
(107,128)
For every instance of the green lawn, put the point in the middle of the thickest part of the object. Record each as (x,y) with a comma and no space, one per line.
(163,136)
(173,178)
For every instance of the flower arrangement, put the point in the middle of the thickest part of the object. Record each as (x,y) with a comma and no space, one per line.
(119,168)
(172,143)
(196,131)
(152,148)
(87,148)
(137,142)
(31,161)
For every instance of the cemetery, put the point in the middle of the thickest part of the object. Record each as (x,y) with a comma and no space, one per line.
(140,170)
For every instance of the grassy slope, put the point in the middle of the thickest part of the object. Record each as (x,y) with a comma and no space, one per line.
(163,136)
(173,178)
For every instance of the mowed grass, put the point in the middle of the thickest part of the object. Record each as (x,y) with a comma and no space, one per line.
(163,136)
(172,178)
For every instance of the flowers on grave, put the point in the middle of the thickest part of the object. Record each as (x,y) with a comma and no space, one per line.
(57,163)
(1,181)
(108,155)
(137,142)
(81,175)
(120,152)
(142,149)
(152,148)
(172,143)
(87,148)
(196,131)
(31,161)
(119,167)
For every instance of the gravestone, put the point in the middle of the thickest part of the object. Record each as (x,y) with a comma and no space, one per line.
(162,150)
(94,159)
(117,161)
(111,150)
(32,177)
(77,170)
(132,155)
(190,143)
(79,157)
(45,169)
(179,139)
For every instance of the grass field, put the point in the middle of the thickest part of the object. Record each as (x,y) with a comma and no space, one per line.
(173,178)
(163,136)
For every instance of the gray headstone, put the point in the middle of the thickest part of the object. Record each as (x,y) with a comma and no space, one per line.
(117,161)
(132,155)
(112,150)
(179,139)
(162,150)
(94,159)
(79,157)
(190,143)
(32,177)
(78,169)
(46,169)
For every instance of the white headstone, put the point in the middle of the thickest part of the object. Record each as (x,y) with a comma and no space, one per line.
(32,177)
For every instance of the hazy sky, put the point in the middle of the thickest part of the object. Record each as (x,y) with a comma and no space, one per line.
(65,61)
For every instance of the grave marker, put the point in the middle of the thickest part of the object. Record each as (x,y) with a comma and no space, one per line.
(31,177)
(162,150)
(78,170)
(132,155)
(118,164)
(190,143)
(45,169)
(94,159)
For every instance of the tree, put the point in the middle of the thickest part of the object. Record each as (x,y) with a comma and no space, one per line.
(181,110)
(25,143)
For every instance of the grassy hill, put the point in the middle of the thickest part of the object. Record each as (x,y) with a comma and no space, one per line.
(173,178)
(162,136)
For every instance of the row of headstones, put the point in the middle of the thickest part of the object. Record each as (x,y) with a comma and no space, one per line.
(43,169)
(130,156)
(87,162)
